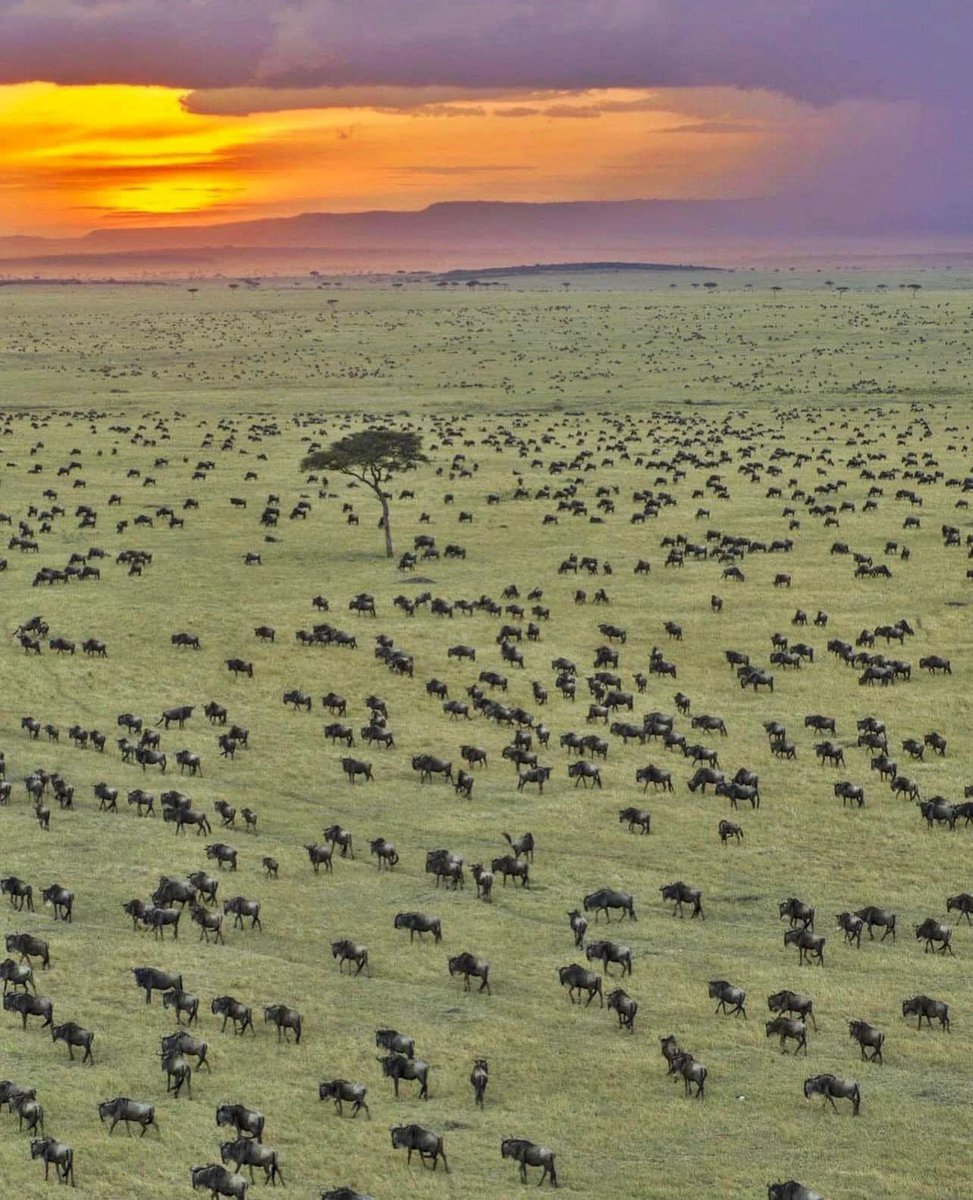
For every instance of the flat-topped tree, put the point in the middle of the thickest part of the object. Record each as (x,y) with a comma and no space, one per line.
(373,457)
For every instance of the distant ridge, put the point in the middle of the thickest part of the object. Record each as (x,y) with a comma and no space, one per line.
(574,267)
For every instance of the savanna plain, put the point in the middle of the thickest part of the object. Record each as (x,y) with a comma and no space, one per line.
(769,407)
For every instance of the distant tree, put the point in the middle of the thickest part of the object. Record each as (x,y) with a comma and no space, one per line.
(373,457)
(710,285)
(913,288)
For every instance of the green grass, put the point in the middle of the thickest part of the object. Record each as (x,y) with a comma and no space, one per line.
(560,1075)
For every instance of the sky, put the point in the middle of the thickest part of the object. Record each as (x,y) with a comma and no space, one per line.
(119,113)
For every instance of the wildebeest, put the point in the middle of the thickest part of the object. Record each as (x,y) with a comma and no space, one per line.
(727,830)
(626,1008)
(284,1018)
(867,1037)
(30,1006)
(347,950)
(832,1088)
(151,979)
(241,907)
(809,945)
(219,1181)
(471,965)
(223,854)
(385,853)
(237,666)
(610,952)
(657,776)
(341,838)
(72,1034)
(681,893)
(799,913)
(21,894)
(429,1146)
(50,1150)
(419,923)
(245,1152)
(931,931)
(16,975)
(398,1043)
(248,1122)
(608,898)
(727,994)
(129,1111)
(178,1072)
(635,817)
(397,1067)
(517,868)
(793,1002)
(691,1071)
(320,854)
(479,1078)
(873,916)
(233,1010)
(343,1092)
(787,1028)
(578,979)
(791,1190)
(963,903)
(528,1154)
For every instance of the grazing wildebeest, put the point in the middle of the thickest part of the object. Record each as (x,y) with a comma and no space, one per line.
(236,666)
(705,777)
(610,952)
(337,836)
(787,1027)
(245,1152)
(657,776)
(218,1181)
(800,913)
(809,945)
(878,916)
(468,965)
(791,1190)
(347,950)
(397,1067)
(320,854)
(50,1150)
(931,931)
(528,1154)
(419,923)
(248,1122)
(727,994)
(607,898)
(151,979)
(852,926)
(479,1078)
(223,854)
(72,1034)
(934,662)
(398,1043)
(923,1006)
(30,1006)
(727,830)
(635,816)
(129,1111)
(233,1010)
(579,979)
(832,1088)
(691,1071)
(428,1145)
(681,893)
(241,907)
(867,1037)
(343,1092)
(284,1018)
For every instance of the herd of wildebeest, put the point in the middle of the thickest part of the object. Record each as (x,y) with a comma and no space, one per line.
(564,721)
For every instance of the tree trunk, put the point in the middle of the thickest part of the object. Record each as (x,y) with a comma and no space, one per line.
(389,552)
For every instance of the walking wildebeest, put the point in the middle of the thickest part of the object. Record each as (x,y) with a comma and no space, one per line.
(579,979)
(832,1088)
(397,1067)
(787,1027)
(924,1006)
(607,898)
(726,993)
(129,1111)
(528,1154)
(681,893)
(428,1145)
(343,1092)
(50,1150)
(867,1037)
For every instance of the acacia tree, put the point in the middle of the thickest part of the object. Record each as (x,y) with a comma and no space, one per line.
(372,456)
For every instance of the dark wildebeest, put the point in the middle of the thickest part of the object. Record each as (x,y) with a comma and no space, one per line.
(29,1113)
(49,1150)
(635,816)
(681,893)
(800,913)
(691,1071)
(320,854)
(479,1078)
(284,1018)
(184,1043)
(607,898)
(72,1034)
(233,1010)
(428,1145)
(177,1072)
(223,854)
(356,766)
(468,965)
(343,1092)
(610,952)
(579,979)
(17,975)
(398,1043)
(867,1037)
(218,1181)
(245,1152)
(517,868)
(181,714)
(248,1122)
(787,1027)
(852,927)
(792,1002)
(850,793)
(923,1006)
(579,926)
(397,1067)
(151,979)
(963,903)
(347,950)
(129,1111)
(484,882)
(878,916)
(832,1088)
(20,893)
(528,1154)
(809,945)
(385,853)
(419,923)
(727,830)
(626,1008)
(727,994)
(931,931)
(341,838)
(657,776)
(791,1190)
(241,907)
(30,1006)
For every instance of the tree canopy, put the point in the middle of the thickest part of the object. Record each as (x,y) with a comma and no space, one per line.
(373,457)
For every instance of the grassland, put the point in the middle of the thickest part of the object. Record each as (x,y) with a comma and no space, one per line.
(118,380)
